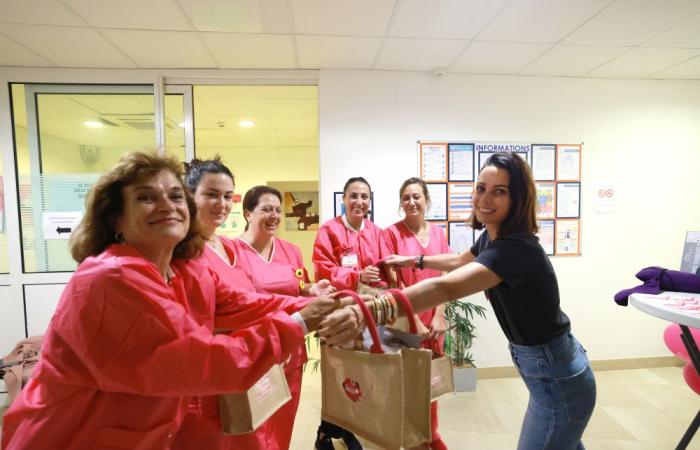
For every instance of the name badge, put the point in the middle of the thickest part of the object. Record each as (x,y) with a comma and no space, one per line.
(349,260)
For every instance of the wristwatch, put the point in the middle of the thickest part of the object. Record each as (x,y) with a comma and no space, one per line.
(418,261)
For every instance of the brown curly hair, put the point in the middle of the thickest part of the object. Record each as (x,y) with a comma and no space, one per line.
(104,205)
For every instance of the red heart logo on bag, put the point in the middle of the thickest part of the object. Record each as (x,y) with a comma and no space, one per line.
(352,389)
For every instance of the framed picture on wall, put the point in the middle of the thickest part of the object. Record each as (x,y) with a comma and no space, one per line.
(438,202)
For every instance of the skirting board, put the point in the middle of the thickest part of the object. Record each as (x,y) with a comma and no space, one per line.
(603,364)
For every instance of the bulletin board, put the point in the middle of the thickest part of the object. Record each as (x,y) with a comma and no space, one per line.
(450,170)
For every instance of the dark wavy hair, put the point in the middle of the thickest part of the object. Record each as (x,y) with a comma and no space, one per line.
(252,198)
(522,216)
(355,180)
(197,168)
(104,204)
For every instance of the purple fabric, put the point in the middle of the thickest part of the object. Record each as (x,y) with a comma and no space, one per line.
(657,279)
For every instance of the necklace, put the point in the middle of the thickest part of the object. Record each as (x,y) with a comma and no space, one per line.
(422,234)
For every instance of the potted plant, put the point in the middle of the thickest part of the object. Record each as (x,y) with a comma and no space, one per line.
(459,337)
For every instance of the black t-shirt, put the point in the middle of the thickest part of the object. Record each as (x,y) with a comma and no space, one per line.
(526,302)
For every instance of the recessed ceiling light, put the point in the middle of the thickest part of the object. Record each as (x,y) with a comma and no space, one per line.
(246,123)
(93,124)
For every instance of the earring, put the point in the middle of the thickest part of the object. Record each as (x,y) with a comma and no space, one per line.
(118,237)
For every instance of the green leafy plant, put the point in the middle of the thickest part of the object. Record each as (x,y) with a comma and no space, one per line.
(312,363)
(459,335)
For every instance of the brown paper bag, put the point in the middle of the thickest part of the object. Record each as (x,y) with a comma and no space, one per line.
(244,412)
(382,397)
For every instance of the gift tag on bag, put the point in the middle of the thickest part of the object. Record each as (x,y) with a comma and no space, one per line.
(244,412)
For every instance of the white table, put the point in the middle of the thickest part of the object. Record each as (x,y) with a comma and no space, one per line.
(661,307)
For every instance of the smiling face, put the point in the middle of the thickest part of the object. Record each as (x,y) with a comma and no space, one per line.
(155,214)
(214,200)
(357,200)
(491,198)
(413,201)
(265,218)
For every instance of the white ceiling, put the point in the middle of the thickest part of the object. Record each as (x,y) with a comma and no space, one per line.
(657,39)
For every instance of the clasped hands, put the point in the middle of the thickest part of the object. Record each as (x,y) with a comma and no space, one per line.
(335,320)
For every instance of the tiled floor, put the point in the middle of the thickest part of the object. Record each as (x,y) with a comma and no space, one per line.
(645,409)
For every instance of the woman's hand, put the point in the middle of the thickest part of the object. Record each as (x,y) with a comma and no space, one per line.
(342,326)
(397,261)
(321,287)
(317,310)
(421,329)
(437,325)
(370,275)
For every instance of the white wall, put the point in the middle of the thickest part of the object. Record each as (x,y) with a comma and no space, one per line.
(643,137)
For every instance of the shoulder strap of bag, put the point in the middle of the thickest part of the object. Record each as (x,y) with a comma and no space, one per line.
(408,307)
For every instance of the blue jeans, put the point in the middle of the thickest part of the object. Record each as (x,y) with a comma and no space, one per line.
(562,393)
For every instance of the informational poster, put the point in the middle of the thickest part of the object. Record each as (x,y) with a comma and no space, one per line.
(461,162)
(568,200)
(691,253)
(567,242)
(60,225)
(433,161)
(544,162)
(556,169)
(438,202)
(604,198)
(461,237)
(546,197)
(568,162)
(460,200)
(546,235)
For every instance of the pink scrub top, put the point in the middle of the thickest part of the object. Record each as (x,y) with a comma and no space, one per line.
(399,240)
(125,351)
(340,253)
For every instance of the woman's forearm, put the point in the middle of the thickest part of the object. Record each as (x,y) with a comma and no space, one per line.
(447,262)
(461,282)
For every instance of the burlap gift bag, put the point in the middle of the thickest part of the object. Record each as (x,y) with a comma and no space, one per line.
(244,412)
(442,380)
(382,395)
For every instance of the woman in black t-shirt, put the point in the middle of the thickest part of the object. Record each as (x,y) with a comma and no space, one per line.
(509,264)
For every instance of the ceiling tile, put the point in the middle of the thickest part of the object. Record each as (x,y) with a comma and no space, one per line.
(294,123)
(251,51)
(357,17)
(497,57)
(631,22)
(446,19)
(572,60)
(68,47)
(418,54)
(643,62)
(689,70)
(291,107)
(204,92)
(684,35)
(136,14)
(540,20)
(287,91)
(238,16)
(227,107)
(46,12)
(337,52)
(13,54)
(172,49)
